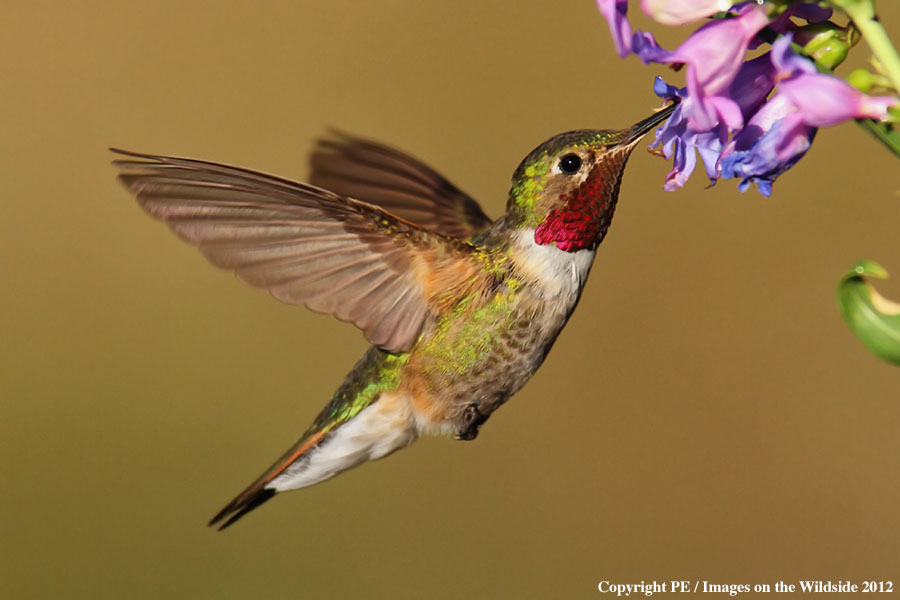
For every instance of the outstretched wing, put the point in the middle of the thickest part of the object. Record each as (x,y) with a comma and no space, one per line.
(396,182)
(306,245)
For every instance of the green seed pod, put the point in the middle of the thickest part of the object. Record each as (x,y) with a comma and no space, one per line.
(826,42)
(874,319)
(831,54)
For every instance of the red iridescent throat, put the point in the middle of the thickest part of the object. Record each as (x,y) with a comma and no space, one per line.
(584,218)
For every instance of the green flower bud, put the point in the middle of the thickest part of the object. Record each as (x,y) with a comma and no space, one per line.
(827,43)
(862,80)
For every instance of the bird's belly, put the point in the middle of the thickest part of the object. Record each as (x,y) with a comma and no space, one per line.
(378,430)
(458,379)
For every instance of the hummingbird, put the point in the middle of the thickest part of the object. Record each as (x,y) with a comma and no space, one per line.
(460,310)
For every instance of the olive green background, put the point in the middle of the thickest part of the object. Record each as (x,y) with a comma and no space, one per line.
(706,415)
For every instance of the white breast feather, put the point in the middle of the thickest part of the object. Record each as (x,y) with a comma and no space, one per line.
(558,272)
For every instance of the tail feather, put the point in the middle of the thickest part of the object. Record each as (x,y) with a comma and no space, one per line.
(358,424)
(240,506)
(258,493)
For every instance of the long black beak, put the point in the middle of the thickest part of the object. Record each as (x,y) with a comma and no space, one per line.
(638,130)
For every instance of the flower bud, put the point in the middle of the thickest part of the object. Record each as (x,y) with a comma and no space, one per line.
(825,42)
(862,80)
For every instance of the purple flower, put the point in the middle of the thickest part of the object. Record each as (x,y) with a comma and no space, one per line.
(619,27)
(713,54)
(822,99)
(752,84)
(716,51)
(771,143)
(780,133)
(677,141)
(726,114)
(679,12)
(811,13)
(645,46)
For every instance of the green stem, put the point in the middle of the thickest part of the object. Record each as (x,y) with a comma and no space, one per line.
(884,133)
(862,12)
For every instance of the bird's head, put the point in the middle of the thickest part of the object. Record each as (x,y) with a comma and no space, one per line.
(566,188)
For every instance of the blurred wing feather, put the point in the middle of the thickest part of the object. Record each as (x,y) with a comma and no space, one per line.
(304,244)
(396,182)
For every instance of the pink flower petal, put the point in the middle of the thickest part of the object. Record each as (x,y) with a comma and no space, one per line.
(679,12)
(822,99)
(716,50)
(619,27)
(825,100)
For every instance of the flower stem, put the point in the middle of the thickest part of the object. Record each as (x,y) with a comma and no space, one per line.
(862,12)
(884,133)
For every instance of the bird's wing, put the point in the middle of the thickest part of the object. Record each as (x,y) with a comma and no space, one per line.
(307,245)
(396,182)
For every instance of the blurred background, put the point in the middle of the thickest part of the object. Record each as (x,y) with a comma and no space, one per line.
(706,415)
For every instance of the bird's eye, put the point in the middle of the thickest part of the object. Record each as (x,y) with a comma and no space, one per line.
(570,163)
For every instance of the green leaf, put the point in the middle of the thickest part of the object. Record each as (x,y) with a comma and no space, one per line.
(884,133)
(874,319)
